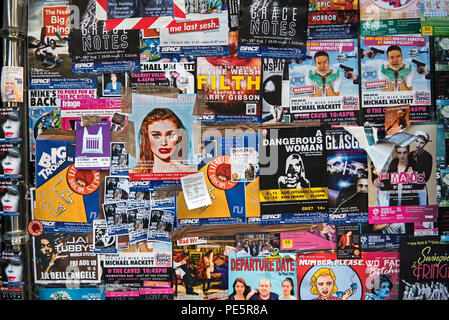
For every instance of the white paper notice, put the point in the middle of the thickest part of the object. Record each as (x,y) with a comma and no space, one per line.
(195,191)
(379,153)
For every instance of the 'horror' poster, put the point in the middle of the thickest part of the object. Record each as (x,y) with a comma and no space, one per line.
(334,24)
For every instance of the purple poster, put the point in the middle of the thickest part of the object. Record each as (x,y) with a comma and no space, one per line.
(93,146)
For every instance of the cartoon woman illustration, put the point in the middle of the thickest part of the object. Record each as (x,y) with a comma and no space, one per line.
(323,285)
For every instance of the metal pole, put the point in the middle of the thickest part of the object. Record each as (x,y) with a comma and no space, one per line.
(14,53)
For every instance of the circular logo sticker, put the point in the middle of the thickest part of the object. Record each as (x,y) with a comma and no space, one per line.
(394,5)
(83,181)
(219,173)
(35,228)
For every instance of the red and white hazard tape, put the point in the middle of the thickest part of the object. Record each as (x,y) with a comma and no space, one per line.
(138,23)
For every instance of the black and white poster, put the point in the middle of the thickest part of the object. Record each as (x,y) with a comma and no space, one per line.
(293,182)
(272,76)
(89,42)
(275,28)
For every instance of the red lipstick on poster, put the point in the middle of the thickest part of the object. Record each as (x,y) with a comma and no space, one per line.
(165,150)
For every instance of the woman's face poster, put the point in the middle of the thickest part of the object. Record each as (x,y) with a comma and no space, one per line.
(163,137)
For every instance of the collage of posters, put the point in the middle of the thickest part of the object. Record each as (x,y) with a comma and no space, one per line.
(226,150)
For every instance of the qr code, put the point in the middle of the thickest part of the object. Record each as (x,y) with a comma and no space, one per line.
(251,108)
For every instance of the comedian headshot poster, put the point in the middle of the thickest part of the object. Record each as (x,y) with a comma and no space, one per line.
(325,85)
(163,129)
(396,70)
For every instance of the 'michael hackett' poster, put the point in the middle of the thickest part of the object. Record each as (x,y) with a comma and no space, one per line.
(395,70)
(325,85)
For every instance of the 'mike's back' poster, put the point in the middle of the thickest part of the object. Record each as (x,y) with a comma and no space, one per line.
(293,188)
